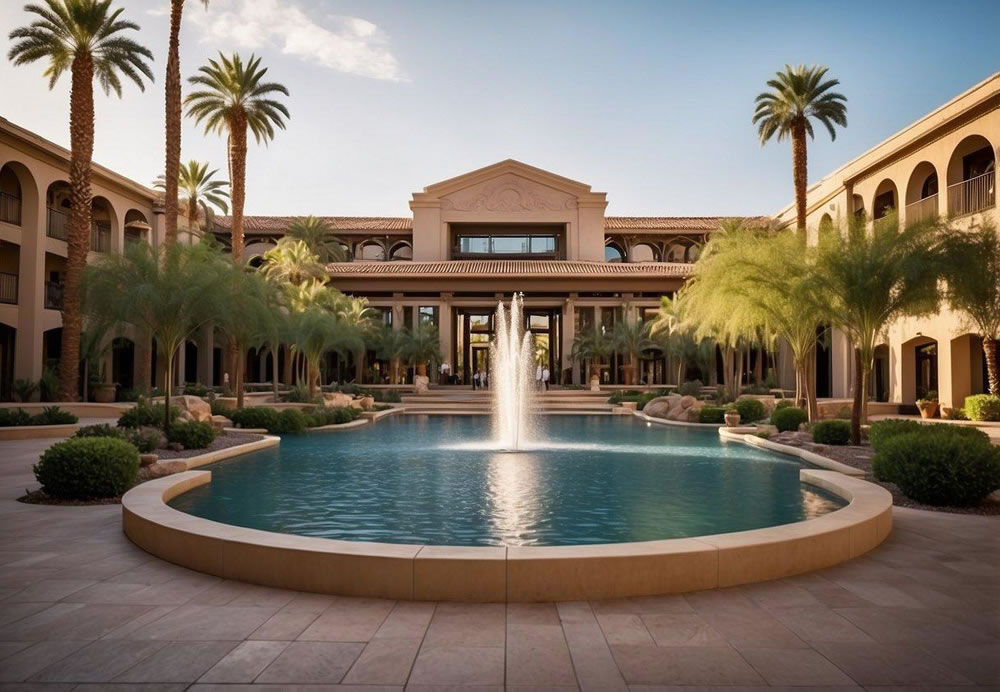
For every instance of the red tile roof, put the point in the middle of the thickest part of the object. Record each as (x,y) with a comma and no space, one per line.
(508,268)
(672,223)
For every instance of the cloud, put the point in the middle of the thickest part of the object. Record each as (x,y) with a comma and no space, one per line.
(346,44)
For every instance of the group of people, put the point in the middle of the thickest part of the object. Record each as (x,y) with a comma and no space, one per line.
(480,380)
(542,376)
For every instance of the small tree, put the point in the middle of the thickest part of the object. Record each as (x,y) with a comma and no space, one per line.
(393,345)
(169,293)
(972,270)
(318,237)
(631,337)
(591,347)
(244,314)
(423,347)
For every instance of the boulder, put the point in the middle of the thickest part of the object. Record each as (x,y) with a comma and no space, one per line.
(163,468)
(365,403)
(220,422)
(147,459)
(198,408)
(767,430)
(336,399)
(677,413)
(658,407)
(687,401)
(185,417)
(421,383)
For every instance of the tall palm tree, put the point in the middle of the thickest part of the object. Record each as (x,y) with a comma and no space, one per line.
(631,337)
(591,346)
(317,234)
(173,119)
(292,262)
(233,99)
(391,344)
(201,195)
(797,96)
(86,38)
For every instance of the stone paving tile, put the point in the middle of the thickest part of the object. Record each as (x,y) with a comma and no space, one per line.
(348,620)
(795,667)
(100,661)
(901,625)
(408,619)
(131,686)
(820,624)
(312,662)
(889,664)
(178,662)
(48,590)
(703,665)
(681,629)
(624,629)
(592,659)
(458,665)
(201,623)
(384,662)
(11,648)
(538,655)
(285,625)
(752,627)
(72,621)
(213,687)
(467,624)
(245,662)
(36,658)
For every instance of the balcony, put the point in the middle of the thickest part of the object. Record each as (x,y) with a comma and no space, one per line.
(8,288)
(58,224)
(54,295)
(926,208)
(10,209)
(100,237)
(973,195)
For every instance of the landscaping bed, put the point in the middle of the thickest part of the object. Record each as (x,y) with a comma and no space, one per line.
(860,457)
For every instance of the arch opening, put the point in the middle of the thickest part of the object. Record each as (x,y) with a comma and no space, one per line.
(972,176)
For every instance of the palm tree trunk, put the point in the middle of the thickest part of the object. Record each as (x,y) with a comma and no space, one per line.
(860,373)
(173,118)
(144,360)
(809,385)
(167,388)
(992,368)
(274,372)
(81,130)
(237,181)
(799,173)
(239,366)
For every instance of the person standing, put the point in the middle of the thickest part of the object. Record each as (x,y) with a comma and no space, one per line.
(545,377)
(475,381)
(538,377)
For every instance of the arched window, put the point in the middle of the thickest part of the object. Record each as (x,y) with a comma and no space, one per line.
(371,251)
(972,176)
(613,253)
(401,252)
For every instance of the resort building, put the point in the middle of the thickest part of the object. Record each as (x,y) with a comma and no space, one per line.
(511,227)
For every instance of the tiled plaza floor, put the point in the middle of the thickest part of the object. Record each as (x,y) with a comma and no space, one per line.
(82,608)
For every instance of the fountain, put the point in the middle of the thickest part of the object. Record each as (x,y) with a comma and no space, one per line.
(512,367)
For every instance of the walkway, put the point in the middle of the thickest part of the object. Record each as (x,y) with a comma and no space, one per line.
(80,604)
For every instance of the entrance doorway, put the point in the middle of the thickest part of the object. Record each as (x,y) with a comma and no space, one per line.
(475,330)
(481,360)
(926,357)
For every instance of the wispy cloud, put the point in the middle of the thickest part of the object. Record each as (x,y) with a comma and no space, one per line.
(346,44)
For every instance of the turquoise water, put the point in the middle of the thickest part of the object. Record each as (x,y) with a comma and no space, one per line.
(426,479)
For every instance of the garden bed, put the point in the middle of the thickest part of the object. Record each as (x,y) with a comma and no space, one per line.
(860,457)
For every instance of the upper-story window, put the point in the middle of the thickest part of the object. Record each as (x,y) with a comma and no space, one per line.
(535,241)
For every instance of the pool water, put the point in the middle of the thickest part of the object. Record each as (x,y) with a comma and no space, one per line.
(429,480)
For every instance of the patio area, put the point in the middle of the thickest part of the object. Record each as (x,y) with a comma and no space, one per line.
(82,608)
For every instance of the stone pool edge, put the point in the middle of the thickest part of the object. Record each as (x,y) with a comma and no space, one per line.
(501,574)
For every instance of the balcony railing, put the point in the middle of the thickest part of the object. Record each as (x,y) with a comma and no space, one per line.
(54,295)
(10,209)
(973,195)
(58,224)
(100,237)
(8,288)
(925,208)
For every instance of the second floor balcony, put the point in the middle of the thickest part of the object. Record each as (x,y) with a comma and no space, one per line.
(10,209)
(54,295)
(57,224)
(920,210)
(974,195)
(100,231)
(8,288)
(100,236)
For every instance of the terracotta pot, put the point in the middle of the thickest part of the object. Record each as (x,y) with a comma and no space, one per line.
(928,409)
(104,393)
(732,419)
(422,369)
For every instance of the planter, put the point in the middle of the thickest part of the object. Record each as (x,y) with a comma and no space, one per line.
(732,419)
(422,369)
(928,409)
(629,375)
(104,393)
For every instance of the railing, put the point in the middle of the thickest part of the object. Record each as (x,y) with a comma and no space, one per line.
(926,208)
(8,288)
(973,195)
(10,209)
(58,224)
(100,237)
(54,295)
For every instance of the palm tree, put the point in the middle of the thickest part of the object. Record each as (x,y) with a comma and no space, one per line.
(631,337)
(355,313)
(201,194)
(168,293)
(799,95)
(972,270)
(676,339)
(244,316)
(292,262)
(423,347)
(865,281)
(173,120)
(318,236)
(392,344)
(234,98)
(591,346)
(86,38)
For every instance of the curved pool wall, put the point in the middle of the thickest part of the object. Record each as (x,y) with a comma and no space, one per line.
(507,573)
(434,481)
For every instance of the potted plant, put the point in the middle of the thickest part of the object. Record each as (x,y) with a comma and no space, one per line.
(422,347)
(732,417)
(928,405)
(104,391)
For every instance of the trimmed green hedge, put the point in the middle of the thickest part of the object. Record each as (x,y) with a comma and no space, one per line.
(254,417)
(887,429)
(191,434)
(750,410)
(983,407)
(938,466)
(145,414)
(783,403)
(337,415)
(832,432)
(86,468)
(712,414)
(146,440)
(50,415)
(289,422)
(789,418)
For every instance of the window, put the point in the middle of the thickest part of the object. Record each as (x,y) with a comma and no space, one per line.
(612,253)
(507,245)
(386,316)
(474,244)
(543,244)
(428,314)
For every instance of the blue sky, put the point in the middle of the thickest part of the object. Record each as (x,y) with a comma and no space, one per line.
(647,101)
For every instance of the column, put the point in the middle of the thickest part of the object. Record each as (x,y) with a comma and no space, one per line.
(31,291)
(206,349)
(568,334)
(445,339)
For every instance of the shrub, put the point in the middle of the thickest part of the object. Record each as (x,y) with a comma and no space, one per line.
(24,389)
(87,468)
(750,410)
(937,467)
(954,414)
(191,434)
(299,394)
(145,414)
(690,388)
(788,418)
(645,399)
(196,389)
(712,414)
(783,403)
(219,408)
(254,417)
(290,421)
(832,432)
(754,389)
(14,416)
(127,394)
(884,429)
(48,385)
(146,440)
(388,396)
(53,415)
(336,415)
(983,407)
(101,430)
(623,395)
(844,412)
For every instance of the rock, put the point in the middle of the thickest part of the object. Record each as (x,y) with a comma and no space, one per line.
(767,430)
(198,408)
(221,422)
(420,383)
(365,403)
(687,401)
(185,417)
(164,468)
(336,399)
(147,459)
(175,446)
(658,407)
